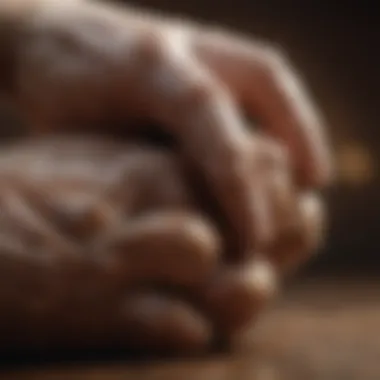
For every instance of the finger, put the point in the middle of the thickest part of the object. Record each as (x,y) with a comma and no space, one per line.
(174,248)
(159,323)
(237,295)
(36,273)
(76,213)
(277,182)
(275,97)
(150,179)
(144,322)
(23,218)
(198,110)
(299,240)
(297,219)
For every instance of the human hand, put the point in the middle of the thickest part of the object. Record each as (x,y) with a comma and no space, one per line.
(96,234)
(86,62)
(65,280)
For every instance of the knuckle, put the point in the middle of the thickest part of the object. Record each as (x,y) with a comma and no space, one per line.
(314,220)
(233,163)
(270,154)
(274,57)
(278,156)
(199,93)
(274,62)
(199,236)
(151,47)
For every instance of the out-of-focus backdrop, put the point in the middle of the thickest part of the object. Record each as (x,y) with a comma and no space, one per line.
(327,329)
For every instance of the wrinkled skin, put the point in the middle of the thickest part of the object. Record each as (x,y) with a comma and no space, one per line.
(107,244)
(91,255)
(88,63)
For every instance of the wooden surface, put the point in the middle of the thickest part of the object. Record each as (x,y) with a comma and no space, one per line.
(325,330)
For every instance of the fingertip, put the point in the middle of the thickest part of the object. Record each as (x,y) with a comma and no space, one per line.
(179,248)
(262,277)
(318,175)
(300,240)
(314,218)
(162,323)
(237,296)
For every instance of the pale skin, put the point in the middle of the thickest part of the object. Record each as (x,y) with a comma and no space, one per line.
(86,62)
(96,233)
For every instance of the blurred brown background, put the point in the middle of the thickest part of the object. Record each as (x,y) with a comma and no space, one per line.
(328,331)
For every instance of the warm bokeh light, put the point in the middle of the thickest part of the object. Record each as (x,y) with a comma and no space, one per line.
(355,164)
